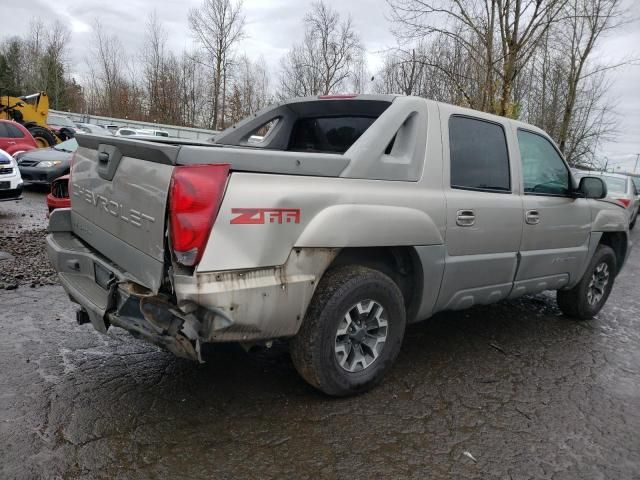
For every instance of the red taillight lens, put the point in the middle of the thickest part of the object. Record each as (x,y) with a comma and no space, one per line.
(624,201)
(195,196)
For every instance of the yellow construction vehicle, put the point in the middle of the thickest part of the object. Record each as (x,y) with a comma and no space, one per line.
(32,112)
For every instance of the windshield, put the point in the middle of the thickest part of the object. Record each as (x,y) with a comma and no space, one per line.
(60,120)
(70,145)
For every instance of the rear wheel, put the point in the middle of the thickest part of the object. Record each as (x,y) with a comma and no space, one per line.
(352,331)
(586,299)
(43,137)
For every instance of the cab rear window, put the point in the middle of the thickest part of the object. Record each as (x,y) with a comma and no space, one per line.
(327,134)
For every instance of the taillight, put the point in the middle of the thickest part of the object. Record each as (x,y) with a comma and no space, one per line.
(195,196)
(624,201)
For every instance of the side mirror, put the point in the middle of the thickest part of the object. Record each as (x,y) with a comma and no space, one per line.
(592,187)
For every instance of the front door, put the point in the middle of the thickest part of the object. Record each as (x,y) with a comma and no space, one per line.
(557,225)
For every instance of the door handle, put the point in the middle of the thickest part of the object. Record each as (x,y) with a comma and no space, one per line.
(11,143)
(465,218)
(532,217)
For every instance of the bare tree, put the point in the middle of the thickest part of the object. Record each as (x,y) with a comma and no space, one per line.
(586,21)
(154,64)
(330,54)
(250,89)
(218,26)
(497,37)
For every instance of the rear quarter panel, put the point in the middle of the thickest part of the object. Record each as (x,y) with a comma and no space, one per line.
(333,212)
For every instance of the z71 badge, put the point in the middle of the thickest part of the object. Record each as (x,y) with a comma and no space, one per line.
(260,216)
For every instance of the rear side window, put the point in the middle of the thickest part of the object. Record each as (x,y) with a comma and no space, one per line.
(14,132)
(327,134)
(4,133)
(479,157)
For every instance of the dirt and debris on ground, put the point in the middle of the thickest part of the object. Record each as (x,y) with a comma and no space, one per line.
(508,391)
(23,256)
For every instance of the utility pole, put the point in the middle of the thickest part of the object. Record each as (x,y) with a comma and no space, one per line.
(636,165)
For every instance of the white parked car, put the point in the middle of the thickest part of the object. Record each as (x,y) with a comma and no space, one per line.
(93,129)
(153,133)
(126,132)
(129,132)
(10,179)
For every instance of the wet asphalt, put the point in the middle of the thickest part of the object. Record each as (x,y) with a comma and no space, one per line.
(509,391)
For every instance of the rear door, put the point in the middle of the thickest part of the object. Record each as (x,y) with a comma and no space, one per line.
(484,210)
(119,192)
(557,225)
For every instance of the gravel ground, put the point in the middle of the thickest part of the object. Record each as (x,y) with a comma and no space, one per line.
(23,259)
(509,391)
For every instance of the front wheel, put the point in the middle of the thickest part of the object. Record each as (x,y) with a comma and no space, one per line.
(352,332)
(586,299)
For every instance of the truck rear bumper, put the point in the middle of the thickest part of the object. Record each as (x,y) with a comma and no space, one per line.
(119,302)
(244,306)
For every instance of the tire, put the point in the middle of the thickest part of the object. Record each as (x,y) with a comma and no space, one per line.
(581,302)
(42,136)
(66,134)
(342,364)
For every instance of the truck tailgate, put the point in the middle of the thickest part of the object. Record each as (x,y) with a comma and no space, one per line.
(119,191)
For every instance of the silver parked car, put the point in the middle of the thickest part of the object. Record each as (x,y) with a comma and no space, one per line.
(351,217)
(621,190)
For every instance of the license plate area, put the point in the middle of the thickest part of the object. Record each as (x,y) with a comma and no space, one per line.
(102,276)
(5,185)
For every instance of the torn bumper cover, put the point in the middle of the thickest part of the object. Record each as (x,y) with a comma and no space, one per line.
(125,304)
(157,321)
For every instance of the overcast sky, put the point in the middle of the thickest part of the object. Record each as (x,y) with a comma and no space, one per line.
(274,25)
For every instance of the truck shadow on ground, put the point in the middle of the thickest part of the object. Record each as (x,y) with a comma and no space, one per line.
(482,342)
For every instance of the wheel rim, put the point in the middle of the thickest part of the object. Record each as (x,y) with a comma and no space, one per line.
(598,283)
(361,336)
(41,142)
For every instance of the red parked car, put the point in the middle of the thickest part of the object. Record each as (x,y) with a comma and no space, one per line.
(59,196)
(15,138)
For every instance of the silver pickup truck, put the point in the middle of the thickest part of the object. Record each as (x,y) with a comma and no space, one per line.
(332,222)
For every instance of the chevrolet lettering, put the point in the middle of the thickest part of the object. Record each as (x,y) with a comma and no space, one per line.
(112,207)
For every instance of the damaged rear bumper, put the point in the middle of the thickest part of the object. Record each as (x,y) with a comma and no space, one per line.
(236,306)
(126,304)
